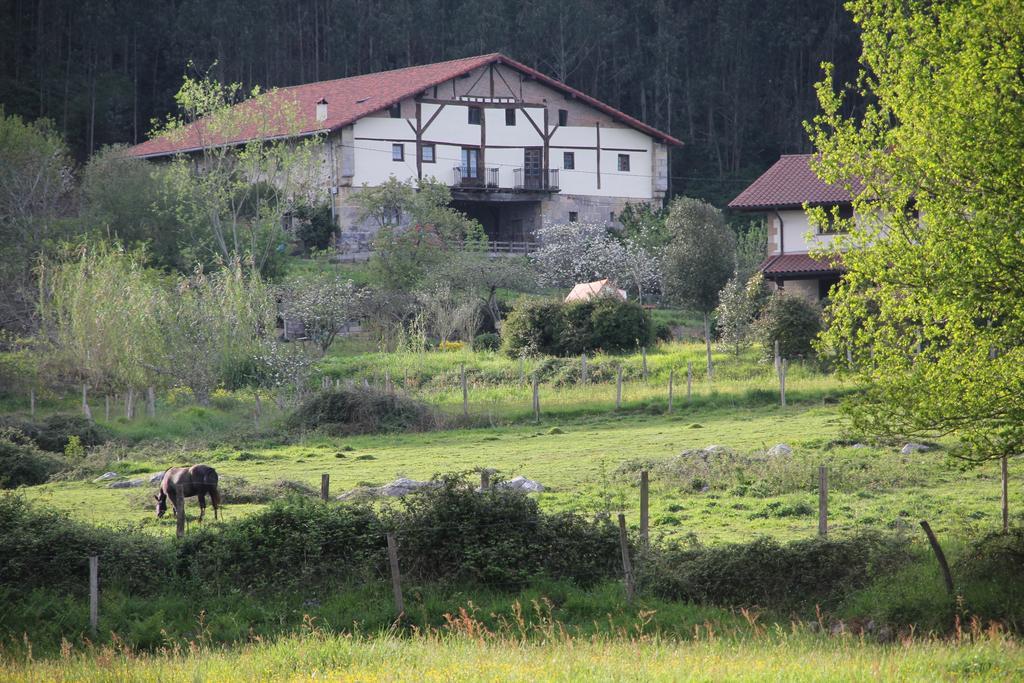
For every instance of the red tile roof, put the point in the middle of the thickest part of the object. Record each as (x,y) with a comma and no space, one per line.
(798,264)
(352,98)
(788,184)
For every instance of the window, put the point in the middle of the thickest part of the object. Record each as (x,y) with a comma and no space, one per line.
(845,214)
(395,110)
(574,216)
(624,162)
(611,216)
(510,117)
(427,154)
(470,162)
(563,117)
(398,152)
(474,115)
(569,160)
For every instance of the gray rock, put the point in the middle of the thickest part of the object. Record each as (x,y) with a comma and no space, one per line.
(129,484)
(361,493)
(156,478)
(521,484)
(716,449)
(403,487)
(860,445)
(780,449)
(107,476)
(911,448)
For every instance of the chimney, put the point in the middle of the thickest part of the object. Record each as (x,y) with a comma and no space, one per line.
(321,110)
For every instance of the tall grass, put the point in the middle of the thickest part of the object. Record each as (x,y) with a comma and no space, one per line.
(463,649)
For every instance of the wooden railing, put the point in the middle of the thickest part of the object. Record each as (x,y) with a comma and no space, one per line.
(464,176)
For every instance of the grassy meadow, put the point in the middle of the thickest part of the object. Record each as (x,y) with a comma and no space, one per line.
(588,455)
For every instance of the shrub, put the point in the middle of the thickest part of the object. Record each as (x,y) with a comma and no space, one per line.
(533,327)
(42,548)
(315,226)
(363,410)
(568,329)
(22,463)
(487,341)
(451,346)
(766,573)
(53,433)
(792,321)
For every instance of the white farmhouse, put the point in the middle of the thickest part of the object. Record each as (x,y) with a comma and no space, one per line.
(517,148)
(781,194)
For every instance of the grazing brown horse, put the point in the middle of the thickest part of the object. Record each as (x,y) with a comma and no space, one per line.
(197,480)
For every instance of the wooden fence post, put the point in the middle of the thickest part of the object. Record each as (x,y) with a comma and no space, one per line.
(689,379)
(778,357)
(32,401)
(671,380)
(618,389)
(822,501)
(643,355)
(106,407)
(627,566)
(396,577)
(94,594)
(644,501)
(150,401)
(783,365)
(129,395)
(583,369)
(387,380)
(485,479)
(179,511)
(85,403)
(1005,477)
(536,399)
(325,486)
(940,556)
(465,391)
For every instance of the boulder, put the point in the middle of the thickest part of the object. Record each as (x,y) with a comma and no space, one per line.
(129,484)
(911,448)
(403,487)
(860,445)
(361,493)
(521,484)
(107,476)
(780,450)
(156,478)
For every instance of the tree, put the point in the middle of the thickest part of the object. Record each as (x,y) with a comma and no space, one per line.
(583,252)
(124,200)
(930,310)
(475,274)
(35,180)
(323,303)
(235,194)
(699,259)
(416,229)
(739,305)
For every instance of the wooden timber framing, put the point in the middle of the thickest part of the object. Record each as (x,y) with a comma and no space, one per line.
(597,126)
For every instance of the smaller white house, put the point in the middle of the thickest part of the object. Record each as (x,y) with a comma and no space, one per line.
(781,194)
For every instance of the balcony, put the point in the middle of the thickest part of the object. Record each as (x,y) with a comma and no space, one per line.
(470,177)
(542,180)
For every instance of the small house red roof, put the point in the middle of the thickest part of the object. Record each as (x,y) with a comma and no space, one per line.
(799,264)
(789,183)
(349,99)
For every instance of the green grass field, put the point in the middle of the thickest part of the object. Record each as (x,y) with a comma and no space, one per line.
(588,455)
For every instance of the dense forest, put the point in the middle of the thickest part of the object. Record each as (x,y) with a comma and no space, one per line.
(732,78)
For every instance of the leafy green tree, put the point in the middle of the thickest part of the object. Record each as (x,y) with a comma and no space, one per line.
(123,200)
(234,192)
(35,181)
(478,276)
(699,259)
(416,229)
(931,309)
(791,321)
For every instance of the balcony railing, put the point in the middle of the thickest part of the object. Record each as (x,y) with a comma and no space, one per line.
(466,176)
(535,180)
